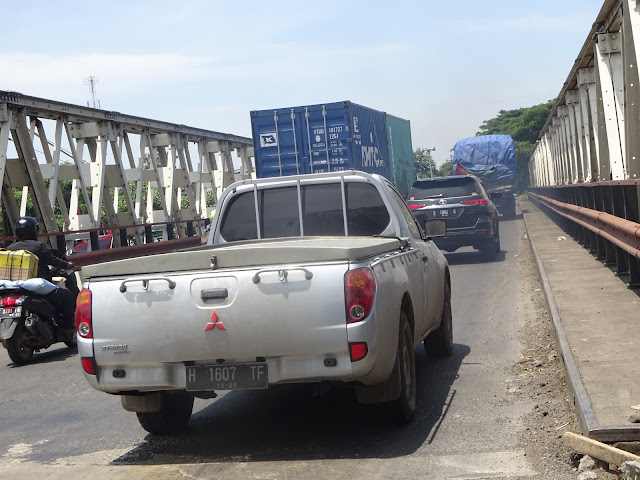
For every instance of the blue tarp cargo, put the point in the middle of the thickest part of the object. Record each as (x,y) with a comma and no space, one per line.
(492,158)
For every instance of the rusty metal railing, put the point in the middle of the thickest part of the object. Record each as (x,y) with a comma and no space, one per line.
(601,232)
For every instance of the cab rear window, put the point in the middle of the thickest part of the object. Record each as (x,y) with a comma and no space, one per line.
(320,207)
(446,187)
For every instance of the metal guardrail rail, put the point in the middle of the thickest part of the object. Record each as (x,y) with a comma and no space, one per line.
(613,239)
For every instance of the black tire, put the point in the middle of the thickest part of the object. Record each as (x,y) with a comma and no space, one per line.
(174,414)
(404,407)
(73,343)
(440,342)
(491,251)
(509,211)
(19,352)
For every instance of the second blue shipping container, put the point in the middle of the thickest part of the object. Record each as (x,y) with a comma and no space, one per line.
(322,138)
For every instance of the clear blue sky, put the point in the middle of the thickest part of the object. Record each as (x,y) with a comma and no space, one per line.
(445,65)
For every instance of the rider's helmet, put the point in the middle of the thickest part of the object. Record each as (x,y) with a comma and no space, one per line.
(27,228)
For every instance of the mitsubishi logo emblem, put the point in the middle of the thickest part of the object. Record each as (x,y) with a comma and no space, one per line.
(214,323)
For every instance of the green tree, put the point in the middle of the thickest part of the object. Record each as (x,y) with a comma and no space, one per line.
(423,164)
(524,126)
(446,169)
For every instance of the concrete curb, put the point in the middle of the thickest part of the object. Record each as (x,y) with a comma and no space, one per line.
(584,410)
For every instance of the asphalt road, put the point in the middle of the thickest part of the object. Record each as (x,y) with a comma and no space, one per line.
(53,424)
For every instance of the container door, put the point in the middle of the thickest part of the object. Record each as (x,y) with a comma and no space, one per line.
(277,140)
(400,153)
(370,150)
(327,139)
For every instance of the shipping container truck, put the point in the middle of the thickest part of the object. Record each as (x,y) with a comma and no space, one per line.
(492,158)
(330,138)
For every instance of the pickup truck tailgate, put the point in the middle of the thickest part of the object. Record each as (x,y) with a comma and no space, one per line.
(210,315)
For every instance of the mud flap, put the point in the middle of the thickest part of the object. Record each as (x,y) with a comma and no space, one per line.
(149,403)
(7,327)
(382,392)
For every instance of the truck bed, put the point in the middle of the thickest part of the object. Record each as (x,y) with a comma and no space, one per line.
(254,253)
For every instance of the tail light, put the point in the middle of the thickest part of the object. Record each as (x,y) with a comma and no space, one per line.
(479,201)
(360,292)
(83,314)
(12,301)
(415,207)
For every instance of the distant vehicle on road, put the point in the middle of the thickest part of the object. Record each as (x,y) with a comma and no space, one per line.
(104,242)
(492,158)
(468,210)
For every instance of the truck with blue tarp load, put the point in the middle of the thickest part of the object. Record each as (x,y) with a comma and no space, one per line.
(332,137)
(492,158)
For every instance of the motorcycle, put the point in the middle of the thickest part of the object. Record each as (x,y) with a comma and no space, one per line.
(29,323)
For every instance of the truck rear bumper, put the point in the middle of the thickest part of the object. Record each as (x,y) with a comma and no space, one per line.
(172,376)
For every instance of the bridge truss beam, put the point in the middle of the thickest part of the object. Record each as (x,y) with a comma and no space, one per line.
(592,132)
(83,167)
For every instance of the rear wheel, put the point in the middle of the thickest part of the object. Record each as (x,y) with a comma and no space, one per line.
(404,407)
(17,346)
(492,250)
(173,416)
(440,341)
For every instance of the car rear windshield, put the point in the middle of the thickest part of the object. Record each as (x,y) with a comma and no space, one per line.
(322,212)
(448,187)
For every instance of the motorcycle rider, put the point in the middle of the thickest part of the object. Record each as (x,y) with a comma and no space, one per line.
(64,300)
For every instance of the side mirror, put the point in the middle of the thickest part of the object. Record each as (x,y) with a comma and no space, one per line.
(435,227)
(495,195)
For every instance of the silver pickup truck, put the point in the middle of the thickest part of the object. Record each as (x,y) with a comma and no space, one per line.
(311,278)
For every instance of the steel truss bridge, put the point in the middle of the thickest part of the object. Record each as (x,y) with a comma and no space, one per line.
(116,164)
(585,168)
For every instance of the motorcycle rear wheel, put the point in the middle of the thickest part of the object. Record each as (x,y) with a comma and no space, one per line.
(16,346)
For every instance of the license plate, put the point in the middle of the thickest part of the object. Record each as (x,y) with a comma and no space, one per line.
(11,312)
(227,377)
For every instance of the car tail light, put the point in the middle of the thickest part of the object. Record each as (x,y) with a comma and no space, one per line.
(89,365)
(479,201)
(83,314)
(12,301)
(360,286)
(358,350)
(415,207)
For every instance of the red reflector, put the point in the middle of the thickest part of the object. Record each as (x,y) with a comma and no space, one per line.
(358,351)
(480,201)
(415,207)
(89,365)
(10,301)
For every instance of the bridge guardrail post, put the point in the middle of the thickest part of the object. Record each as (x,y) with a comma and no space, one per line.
(124,241)
(61,243)
(170,234)
(190,230)
(632,211)
(622,263)
(93,240)
(607,192)
(148,234)
(599,205)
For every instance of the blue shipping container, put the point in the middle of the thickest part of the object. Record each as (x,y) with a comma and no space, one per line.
(320,138)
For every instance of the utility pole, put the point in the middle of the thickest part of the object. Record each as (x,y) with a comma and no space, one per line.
(429,150)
